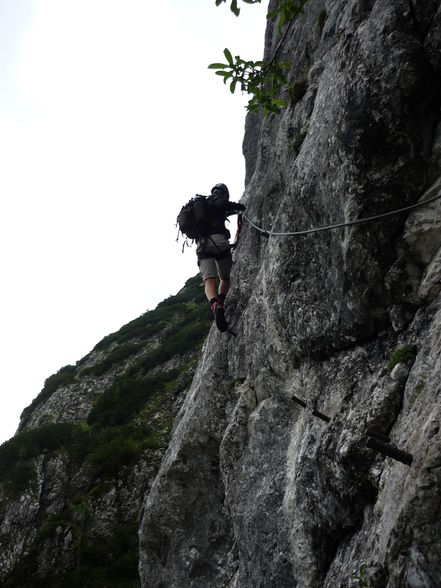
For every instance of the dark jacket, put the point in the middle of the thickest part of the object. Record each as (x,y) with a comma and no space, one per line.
(219,209)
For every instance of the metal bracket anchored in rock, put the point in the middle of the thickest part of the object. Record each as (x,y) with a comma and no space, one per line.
(376,441)
(314,412)
(382,444)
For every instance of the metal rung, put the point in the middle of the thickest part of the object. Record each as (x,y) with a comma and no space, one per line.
(389,450)
(315,412)
(378,436)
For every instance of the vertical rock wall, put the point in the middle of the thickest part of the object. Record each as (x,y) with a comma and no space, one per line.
(254,490)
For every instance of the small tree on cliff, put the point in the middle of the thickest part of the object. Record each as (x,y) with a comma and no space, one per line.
(262,80)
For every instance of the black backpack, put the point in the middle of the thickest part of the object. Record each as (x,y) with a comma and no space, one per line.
(194,220)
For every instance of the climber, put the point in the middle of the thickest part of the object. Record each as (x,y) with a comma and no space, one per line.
(214,252)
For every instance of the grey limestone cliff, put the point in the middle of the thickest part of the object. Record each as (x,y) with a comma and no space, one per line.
(254,490)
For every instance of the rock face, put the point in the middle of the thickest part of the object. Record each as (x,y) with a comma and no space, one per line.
(254,490)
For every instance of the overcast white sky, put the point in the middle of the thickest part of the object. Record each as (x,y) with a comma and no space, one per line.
(109,121)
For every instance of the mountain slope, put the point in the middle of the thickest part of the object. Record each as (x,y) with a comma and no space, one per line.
(74,477)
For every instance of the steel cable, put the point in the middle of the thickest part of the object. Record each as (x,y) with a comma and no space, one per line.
(340,225)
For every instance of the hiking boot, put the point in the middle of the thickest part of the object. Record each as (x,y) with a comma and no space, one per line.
(217,309)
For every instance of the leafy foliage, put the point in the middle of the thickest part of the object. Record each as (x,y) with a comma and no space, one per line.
(154,321)
(16,455)
(116,448)
(254,78)
(187,304)
(263,81)
(105,451)
(362,578)
(125,397)
(119,354)
(186,338)
(106,560)
(234,6)
(142,327)
(130,421)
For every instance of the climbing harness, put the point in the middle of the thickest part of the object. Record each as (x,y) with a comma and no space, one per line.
(204,254)
(359,221)
(376,441)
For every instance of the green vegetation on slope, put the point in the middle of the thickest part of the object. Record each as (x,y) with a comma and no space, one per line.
(168,320)
(64,376)
(129,424)
(152,322)
(125,398)
(109,560)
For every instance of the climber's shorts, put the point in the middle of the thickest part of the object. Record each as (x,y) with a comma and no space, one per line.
(214,257)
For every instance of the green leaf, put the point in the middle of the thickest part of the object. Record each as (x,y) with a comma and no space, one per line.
(217,66)
(225,74)
(279,102)
(219,2)
(228,56)
(234,8)
(233,86)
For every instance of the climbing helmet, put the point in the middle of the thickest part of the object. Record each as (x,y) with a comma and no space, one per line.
(221,190)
